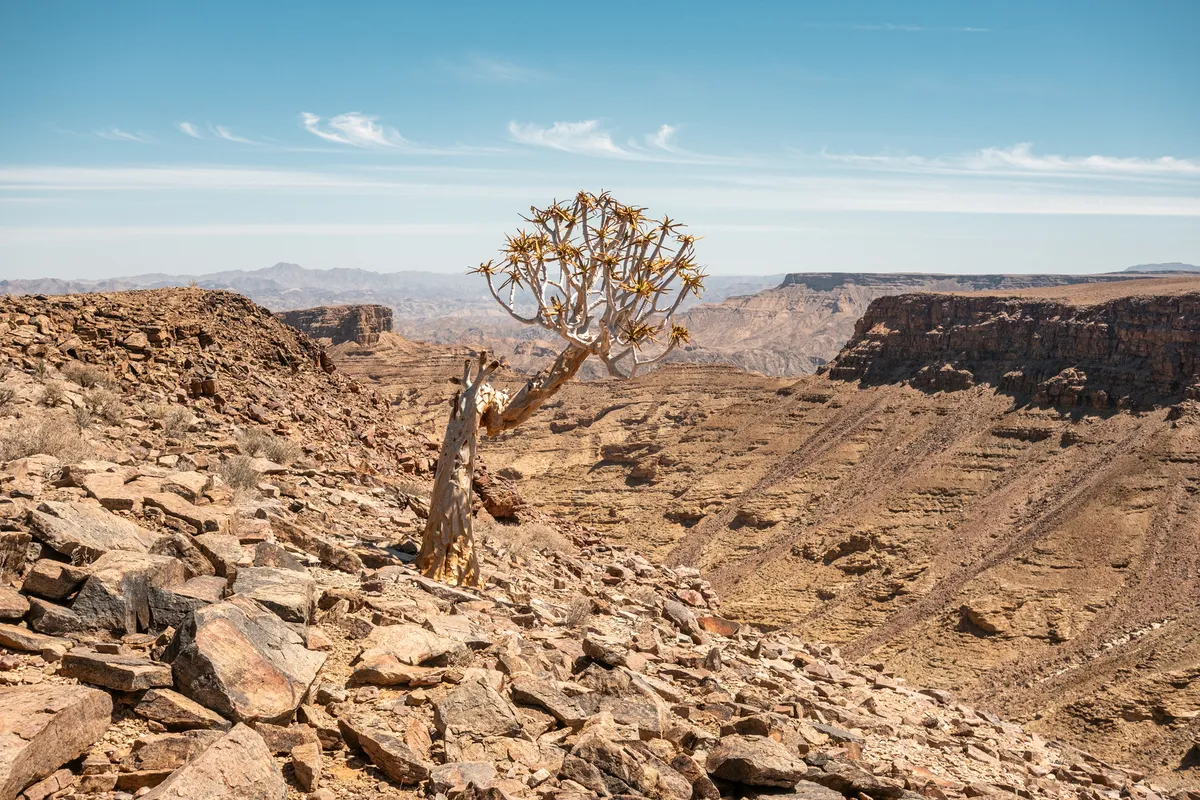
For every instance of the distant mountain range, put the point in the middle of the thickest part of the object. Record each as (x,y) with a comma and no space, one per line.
(1172,266)
(414,295)
(775,324)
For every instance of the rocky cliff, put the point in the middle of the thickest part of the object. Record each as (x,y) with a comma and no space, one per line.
(1127,351)
(361,324)
(798,326)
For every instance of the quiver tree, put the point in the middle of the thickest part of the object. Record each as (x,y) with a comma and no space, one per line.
(605,278)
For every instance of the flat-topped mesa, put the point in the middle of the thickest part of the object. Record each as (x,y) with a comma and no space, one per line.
(361,324)
(1107,351)
(829,281)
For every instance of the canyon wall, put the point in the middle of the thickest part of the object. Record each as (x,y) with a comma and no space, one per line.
(361,324)
(1128,351)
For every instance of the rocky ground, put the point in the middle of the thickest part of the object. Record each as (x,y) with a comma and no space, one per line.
(987,520)
(207,540)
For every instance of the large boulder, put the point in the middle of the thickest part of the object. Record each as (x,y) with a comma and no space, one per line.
(243,661)
(43,727)
(290,594)
(53,580)
(476,709)
(236,767)
(116,596)
(755,761)
(83,532)
(393,756)
(395,654)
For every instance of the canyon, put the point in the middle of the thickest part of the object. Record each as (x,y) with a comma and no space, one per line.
(992,492)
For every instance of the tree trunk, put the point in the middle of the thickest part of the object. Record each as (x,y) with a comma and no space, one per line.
(448,544)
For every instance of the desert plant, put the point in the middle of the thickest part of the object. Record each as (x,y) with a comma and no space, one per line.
(106,404)
(7,396)
(175,421)
(83,417)
(85,375)
(53,394)
(239,473)
(532,536)
(258,442)
(41,369)
(43,435)
(578,611)
(603,277)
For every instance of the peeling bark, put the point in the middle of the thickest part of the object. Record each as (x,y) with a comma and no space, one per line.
(448,544)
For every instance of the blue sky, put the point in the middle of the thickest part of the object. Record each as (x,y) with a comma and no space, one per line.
(885,136)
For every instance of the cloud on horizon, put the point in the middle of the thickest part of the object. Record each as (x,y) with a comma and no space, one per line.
(1021,159)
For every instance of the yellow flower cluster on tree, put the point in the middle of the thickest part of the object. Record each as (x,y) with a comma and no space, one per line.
(604,276)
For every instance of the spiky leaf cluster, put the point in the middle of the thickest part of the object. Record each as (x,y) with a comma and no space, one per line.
(603,275)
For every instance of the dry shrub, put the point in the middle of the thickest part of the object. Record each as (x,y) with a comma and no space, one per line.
(524,538)
(7,396)
(105,403)
(53,394)
(88,376)
(258,442)
(44,435)
(83,417)
(41,369)
(176,421)
(239,474)
(578,612)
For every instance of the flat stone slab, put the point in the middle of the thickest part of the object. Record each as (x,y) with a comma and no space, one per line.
(237,767)
(43,727)
(202,518)
(15,637)
(290,594)
(176,712)
(83,532)
(244,662)
(117,672)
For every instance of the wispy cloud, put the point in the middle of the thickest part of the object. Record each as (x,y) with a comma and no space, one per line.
(166,178)
(24,234)
(188,129)
(353,128)
(222,132)
(118,135)
(587,138)
(1021,159)
(491,70)
(897,27)
(364,131)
